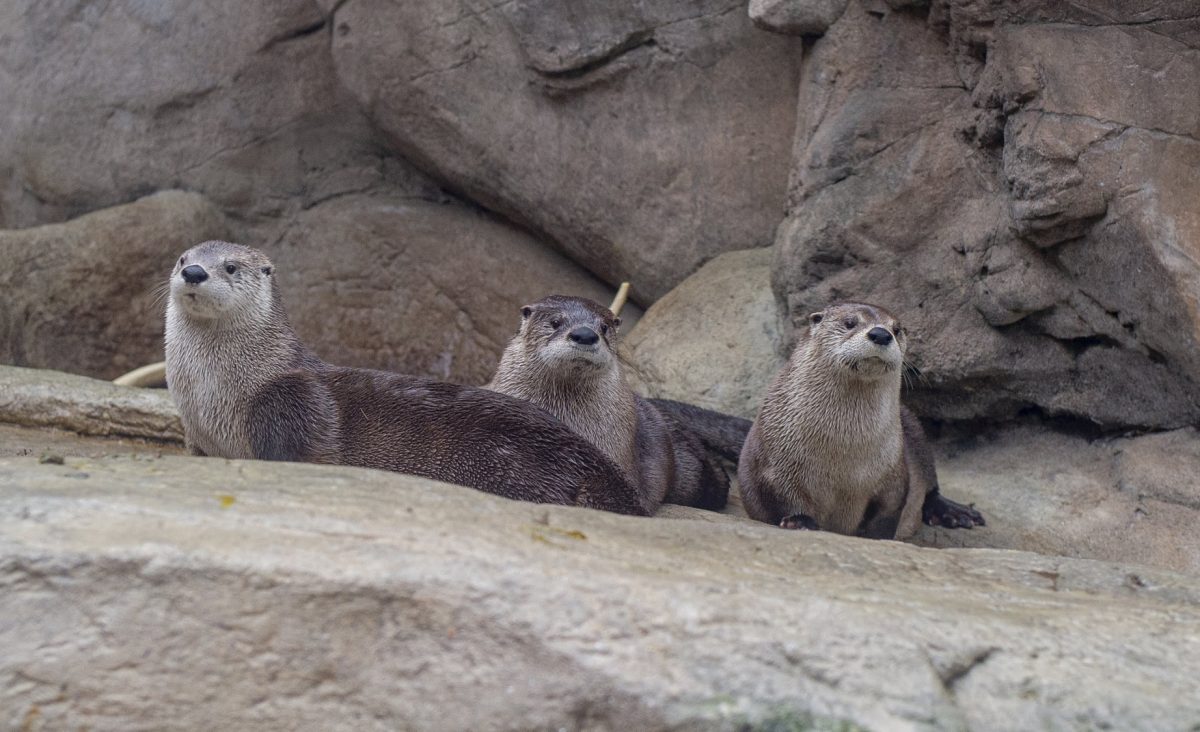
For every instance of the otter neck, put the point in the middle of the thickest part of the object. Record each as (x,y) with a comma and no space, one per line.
(596,403)
(828,404)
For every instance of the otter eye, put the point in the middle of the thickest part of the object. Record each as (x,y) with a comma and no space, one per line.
(850,323)
(899,331)
(230,268)
(556,323)
(604,329)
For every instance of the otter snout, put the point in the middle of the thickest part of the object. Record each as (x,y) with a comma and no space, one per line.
(584,336)
(880,336)
(193,274)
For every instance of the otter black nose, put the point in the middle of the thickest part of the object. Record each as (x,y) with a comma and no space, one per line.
(879,336)
(194,274)
(583,335)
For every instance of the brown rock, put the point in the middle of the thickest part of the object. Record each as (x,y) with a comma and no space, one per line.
(1032,219)
(422,288)
(713,340)
(642,138)
(81,296)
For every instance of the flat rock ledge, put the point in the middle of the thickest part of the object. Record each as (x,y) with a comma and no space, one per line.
(189,593)
(43,398)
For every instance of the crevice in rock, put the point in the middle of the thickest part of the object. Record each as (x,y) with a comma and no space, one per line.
(632,43)
(297,33)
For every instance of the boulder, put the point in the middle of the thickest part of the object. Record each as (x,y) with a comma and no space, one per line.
(714,339)
(108,102)
(1030,218)
(641,138)
(1134,499)
(796,17)
(186,592)
(422,288)
(41,398)
(84,296)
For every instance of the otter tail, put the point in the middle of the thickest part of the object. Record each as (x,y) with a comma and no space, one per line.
(721,434)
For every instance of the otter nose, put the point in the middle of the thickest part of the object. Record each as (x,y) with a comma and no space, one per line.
(879,336)
(194,274)
(583,335)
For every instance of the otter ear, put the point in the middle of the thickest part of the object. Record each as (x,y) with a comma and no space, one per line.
(526,312)
(267,271)
(816,318)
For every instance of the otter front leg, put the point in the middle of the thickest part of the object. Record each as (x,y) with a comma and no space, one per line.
(799,521)
(193,450)
(941,511)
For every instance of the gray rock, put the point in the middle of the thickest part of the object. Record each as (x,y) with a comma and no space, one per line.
(1129,500)
(39,398)
(83,296)
(796,17)
(713,340)
(1026,215)
(642,138)
(178,593)
(416,287)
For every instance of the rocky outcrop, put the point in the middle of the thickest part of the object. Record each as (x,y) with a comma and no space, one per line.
(40,398)
(1031,218)
(642,138)
(1129,499)
(417,287)
(714,339)
(170,593)
(85,296)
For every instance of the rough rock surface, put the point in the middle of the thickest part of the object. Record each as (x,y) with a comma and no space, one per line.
(642,138)
(417,287)
(239,101)
(39,398)
(1124,499)
(1031,217)
(180,593)
(714,339)
(796,17)
(82,296)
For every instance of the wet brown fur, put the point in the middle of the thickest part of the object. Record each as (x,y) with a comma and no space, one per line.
(247,388)
(584,385)
(833,448)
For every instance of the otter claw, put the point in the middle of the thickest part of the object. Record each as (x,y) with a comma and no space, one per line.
(941,511)
(798,521)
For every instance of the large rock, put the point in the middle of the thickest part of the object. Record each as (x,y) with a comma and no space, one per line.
(1128,499)
(40,398)
(422,288)
(85,296)
(108,102)
(714,339)
(180,593)
(1032,219)
(642,138)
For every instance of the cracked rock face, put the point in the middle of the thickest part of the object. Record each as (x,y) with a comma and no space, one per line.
(643,138)
(1033,218)
(176,592)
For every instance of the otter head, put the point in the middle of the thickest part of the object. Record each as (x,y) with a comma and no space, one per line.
(570,333)
(219,282)
(865,341)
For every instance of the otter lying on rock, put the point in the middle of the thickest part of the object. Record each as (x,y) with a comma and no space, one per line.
(247,388)
(833,448)
(564,359)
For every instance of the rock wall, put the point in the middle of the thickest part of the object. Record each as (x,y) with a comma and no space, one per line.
(1019,184)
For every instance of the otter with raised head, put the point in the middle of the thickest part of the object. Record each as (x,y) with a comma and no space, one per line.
(564,359)
(247,388)
(833,448)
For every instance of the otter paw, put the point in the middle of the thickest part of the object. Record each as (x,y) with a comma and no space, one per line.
(798,521)
(941,511)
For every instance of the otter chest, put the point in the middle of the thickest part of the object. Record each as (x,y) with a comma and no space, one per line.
(213,400)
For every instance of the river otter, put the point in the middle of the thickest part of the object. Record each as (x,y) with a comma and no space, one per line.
(247,388)
(833,448)
(564,359)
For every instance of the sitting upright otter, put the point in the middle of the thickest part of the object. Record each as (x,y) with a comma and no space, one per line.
(564,359)
(832,447)
(247,388)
